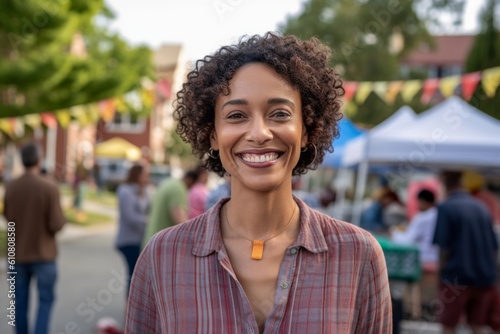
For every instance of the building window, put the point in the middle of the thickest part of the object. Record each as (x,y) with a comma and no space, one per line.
(127,123)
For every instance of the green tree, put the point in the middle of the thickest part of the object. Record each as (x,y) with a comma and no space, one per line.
(485,51)
(484,54)
(38,70)
(370,38)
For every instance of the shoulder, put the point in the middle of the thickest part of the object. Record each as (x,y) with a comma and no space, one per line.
(184,234)
(340,234)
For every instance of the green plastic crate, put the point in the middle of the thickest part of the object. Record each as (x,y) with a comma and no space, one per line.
(403,262)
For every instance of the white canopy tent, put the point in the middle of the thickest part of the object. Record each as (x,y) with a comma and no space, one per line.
(451,135)
(361,150)
(371,146)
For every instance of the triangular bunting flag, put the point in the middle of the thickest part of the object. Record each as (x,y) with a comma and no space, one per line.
(364,89)
(429,89)
(393,89)
(147,97)
(63,117)
(33,120)
(469,84)
(49,120)
(6,126)
(409,89)
(17,126)
(107,110)
(447,85)
(380,88)
(491,80)
(350,89)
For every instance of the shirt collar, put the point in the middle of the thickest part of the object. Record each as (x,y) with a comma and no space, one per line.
(208,239)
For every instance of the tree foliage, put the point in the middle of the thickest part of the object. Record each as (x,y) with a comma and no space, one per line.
(370,38)
(484,54)
(39,70)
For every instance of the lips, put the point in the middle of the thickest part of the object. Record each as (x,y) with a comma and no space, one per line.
(265,157)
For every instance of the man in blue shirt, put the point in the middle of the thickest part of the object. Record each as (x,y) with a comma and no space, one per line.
(467,264)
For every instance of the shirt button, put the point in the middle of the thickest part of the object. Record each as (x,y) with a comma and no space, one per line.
(284,285)
(294,251)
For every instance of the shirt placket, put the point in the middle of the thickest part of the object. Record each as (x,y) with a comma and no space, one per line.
(283,289)
(249,323)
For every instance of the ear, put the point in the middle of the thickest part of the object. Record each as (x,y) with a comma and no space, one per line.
(214,143)
(305,137)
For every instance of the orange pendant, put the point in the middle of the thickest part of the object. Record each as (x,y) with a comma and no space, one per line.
(257,249)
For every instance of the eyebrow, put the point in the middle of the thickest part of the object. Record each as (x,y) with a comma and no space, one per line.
(272,101)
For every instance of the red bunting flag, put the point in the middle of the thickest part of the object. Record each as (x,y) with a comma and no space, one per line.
(469,84)
(350,88)
(49,120)
(429,89)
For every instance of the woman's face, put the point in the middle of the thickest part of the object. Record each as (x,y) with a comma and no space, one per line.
(259,130)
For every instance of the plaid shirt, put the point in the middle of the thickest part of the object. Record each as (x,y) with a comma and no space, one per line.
(332,280)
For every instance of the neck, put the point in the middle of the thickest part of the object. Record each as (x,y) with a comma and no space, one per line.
(33,170)
(258,215)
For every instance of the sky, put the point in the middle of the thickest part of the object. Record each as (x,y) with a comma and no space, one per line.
(202,26)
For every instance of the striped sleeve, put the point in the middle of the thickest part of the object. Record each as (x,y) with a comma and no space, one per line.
(375,315)
(142,313)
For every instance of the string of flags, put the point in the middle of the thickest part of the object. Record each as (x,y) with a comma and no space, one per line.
(135,101)
(358,92)
(389,90)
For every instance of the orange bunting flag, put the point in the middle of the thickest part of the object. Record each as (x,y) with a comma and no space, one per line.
(364,89)
(107,110)
(429,89)
(469,84)
(393,89)
(491,80)
(448,85)
(409,89)
(350,89)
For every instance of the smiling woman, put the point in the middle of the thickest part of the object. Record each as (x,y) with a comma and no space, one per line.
(261,261)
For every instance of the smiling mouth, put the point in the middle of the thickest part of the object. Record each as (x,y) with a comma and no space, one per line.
(260,157)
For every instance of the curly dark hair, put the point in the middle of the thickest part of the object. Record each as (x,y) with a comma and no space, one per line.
(303,64)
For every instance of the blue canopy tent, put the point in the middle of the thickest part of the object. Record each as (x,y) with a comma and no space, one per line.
(348,131)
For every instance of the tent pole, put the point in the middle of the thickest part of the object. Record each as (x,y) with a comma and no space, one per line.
(360,190)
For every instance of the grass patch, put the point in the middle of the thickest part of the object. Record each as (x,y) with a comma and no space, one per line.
(106,197)
(85,218)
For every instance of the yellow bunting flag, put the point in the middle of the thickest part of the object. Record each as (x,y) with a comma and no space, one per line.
(6,126)
(63,118)
(393,89)
(147,97)
(33,120)
(447,85)
(364,89)
(410,89)
(380,88)
(491,80)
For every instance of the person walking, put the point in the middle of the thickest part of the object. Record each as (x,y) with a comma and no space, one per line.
(133,208)
(169,204)
(261,261)
(32,203)
(467,257)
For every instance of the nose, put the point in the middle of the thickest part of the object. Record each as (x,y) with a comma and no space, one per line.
(258,131)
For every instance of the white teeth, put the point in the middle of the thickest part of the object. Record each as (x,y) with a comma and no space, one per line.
(259,157)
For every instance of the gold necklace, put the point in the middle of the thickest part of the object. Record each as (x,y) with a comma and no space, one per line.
(258,245)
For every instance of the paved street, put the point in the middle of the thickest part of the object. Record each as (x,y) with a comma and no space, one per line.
(90,284)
